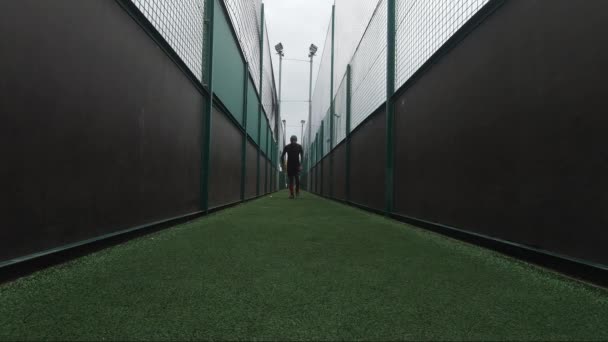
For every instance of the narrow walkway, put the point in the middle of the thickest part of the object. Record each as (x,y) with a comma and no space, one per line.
(276,269)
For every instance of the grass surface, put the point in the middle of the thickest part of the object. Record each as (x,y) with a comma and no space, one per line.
(309,269)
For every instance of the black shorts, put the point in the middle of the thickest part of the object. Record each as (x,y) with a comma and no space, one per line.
(293,173)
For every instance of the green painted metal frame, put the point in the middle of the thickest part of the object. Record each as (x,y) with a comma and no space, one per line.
(244,145)
(332,110)
(321,153)
(266,152)
(390,106)
(348,128)
(260,102)
(208,112)
(316,143)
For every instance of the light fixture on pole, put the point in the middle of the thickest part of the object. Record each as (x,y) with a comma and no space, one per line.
(313,50)
(279,49)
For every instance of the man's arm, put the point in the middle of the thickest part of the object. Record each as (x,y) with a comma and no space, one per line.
(283,155)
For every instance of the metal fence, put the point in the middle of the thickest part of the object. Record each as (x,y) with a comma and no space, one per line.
(424,26)
(241,39)
(340,110)
(181,23)
(246,20)
(183,116)
(421,28)
(269,94)
(321,98)
(368,67)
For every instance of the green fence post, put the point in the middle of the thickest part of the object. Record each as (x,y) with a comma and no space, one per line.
(260,103)
(314,163)
(266,148)
(206,148)
(274,164)
(311,164)
(244,147)
(321,155)
(332,111)
(390,106)
(348,122)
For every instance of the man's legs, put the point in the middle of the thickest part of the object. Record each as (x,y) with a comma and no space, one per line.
(297,177)
(291,180)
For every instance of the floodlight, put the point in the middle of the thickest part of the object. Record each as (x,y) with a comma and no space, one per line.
(313,50)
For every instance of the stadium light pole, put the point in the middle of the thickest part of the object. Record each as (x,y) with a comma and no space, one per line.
(279,49)
(312,52)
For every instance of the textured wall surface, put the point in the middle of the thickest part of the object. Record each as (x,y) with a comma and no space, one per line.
(505,135)
(100,130)
(225,173)
(368,162)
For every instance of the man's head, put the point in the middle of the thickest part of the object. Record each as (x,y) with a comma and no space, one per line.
(294,139)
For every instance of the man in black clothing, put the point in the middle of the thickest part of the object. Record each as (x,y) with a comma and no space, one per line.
(293,151)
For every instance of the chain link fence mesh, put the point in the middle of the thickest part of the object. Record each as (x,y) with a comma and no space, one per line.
(326,129)
(181,23)
(423,26)
(340,111)
(269,97)
(352,18)
(321,97)
(369,68)
(246,20)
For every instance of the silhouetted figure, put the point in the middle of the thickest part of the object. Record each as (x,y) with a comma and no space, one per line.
(294,151)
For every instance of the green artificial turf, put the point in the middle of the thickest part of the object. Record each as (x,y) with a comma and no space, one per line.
(309,269)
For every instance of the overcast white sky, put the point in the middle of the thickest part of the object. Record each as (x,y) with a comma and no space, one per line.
(297,24)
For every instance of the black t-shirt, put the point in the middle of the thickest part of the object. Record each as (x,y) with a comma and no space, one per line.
(293,152)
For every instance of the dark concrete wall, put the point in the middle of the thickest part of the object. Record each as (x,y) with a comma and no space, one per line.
(99,130)
(319,178)
(262,175)
(339,172)
(326,175)
(368,162)
(225,173)
(505,136)
(315,184)
(315,179)
(250,183)
(268,170)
